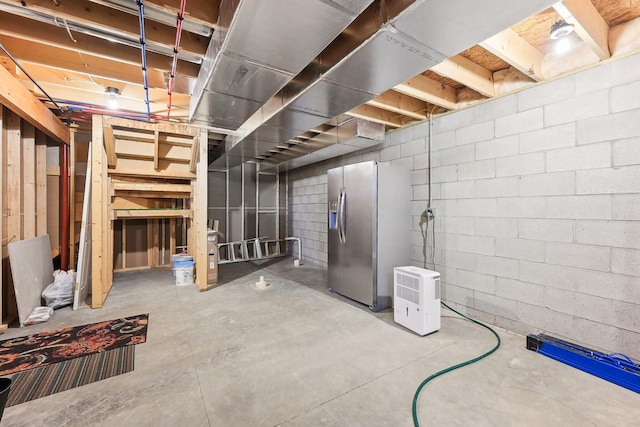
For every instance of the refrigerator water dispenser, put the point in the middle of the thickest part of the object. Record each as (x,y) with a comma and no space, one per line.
(333,215)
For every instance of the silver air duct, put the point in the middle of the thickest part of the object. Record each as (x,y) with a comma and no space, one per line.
(408,38)
(259,47)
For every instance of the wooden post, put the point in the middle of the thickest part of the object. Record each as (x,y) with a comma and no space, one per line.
(3,326)
(28,180)
(155,242)
(172,237)
(64,207)
(124,244)
(41,183)
(200,213)
(14,172)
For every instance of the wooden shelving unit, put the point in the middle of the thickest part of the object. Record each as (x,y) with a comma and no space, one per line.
(146,171)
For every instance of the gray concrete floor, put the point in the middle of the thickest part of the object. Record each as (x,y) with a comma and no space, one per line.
(294,354)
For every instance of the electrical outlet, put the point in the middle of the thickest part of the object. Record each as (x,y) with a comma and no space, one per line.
(431,212)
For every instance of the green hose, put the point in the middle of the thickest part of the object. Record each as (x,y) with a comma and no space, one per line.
(451,368)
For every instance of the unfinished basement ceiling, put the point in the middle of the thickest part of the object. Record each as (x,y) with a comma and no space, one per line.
(276,84)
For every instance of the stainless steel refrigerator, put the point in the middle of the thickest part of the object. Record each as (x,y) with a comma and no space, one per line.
(369,230)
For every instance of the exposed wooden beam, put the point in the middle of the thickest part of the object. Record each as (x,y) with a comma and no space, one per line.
(516,51)
(29,181)
(152,187)
(156,154)
(152,213)
(110,146)
(377,115)
(18,98)
(131,98)
(588,24)
(30,30)
(85,64)
(468,73)
(193,161)
(400,103)
(171,128)
(429,90)
(41,183)
(173,174)
(97,16)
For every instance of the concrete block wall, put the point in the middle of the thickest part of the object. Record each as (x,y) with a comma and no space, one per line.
(307,202)
(537,198)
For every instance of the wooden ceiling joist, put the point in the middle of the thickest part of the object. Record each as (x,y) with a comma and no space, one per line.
(18,99)
(588,24)
(27,30)
(97,16)
(85,64)
(400,103)
(110,146)
(468,73)
(378,115)
(514,50)
(428,90)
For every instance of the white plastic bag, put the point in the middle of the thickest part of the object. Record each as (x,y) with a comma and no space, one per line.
(39,315)
(60,292)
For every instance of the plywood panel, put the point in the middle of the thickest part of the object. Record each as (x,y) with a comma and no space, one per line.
(136,243)
(32,272)
(83,273)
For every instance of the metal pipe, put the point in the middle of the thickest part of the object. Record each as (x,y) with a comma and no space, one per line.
(64,207)
(296,239)
(429,157)
(143,53)
(176,49)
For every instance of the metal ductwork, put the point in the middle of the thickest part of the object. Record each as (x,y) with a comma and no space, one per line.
(401,40)
(258,48)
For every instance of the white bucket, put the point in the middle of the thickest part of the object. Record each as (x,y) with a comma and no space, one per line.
(178,258)
(184,273)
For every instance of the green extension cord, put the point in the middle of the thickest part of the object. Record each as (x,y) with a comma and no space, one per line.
(454,367)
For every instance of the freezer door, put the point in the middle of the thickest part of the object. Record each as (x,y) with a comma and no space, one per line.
(360,206)
(336,248)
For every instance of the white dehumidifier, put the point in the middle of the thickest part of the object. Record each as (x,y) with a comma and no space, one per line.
(416,302)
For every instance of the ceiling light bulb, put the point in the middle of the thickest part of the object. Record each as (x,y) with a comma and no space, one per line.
(112,103)
(114,93)
(560,29)
(563,45)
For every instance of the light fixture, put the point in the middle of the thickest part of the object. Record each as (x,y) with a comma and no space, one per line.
(559,32)
(560,29)
(113,93)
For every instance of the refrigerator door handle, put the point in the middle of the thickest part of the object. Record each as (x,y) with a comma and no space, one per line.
(341,215)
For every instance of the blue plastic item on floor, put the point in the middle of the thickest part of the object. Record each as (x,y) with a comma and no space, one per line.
(616,367)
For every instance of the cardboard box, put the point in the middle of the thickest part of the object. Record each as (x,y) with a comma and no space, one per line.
(212,268)
(212,250)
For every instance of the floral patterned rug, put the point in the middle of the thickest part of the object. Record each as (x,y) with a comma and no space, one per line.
(45,348)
